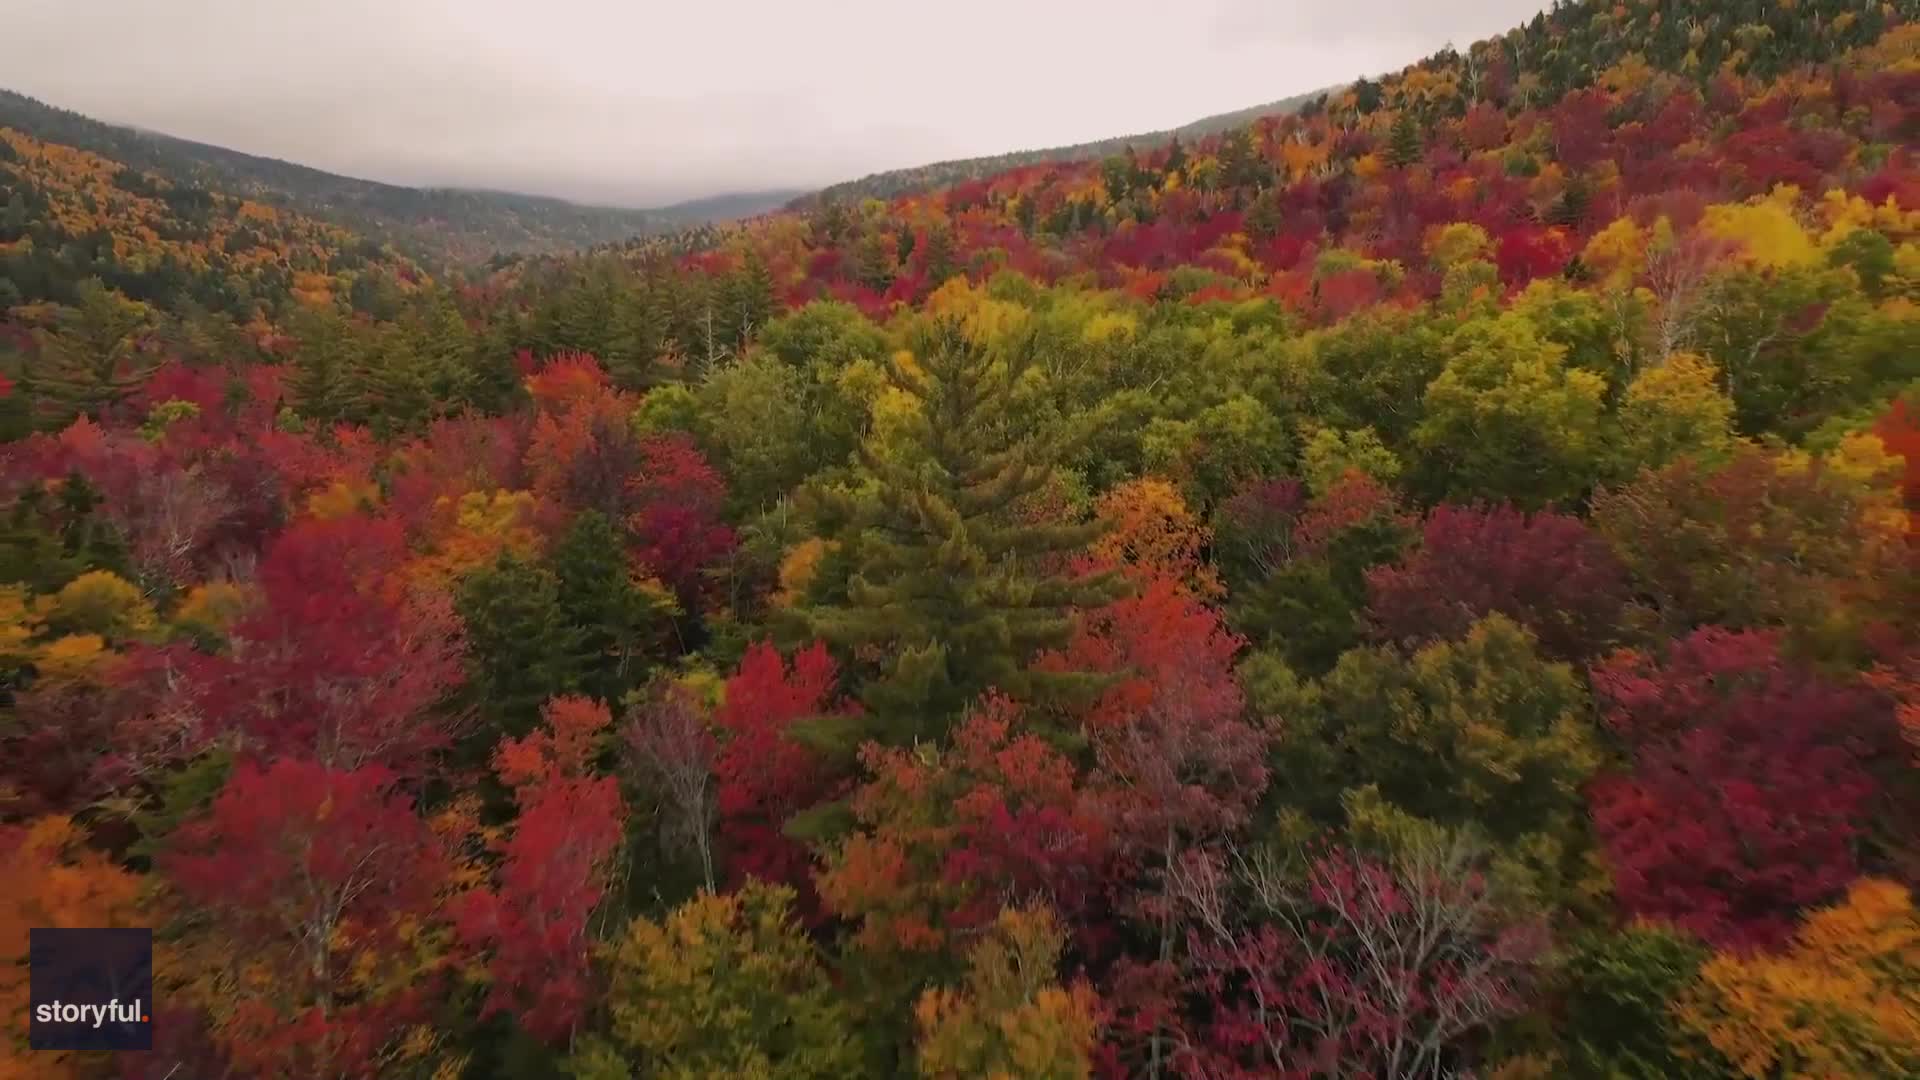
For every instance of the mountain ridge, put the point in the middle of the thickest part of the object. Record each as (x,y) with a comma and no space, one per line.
(433,223)
(938,174)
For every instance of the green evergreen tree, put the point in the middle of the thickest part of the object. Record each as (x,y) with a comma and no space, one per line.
(831,223)
(1241,166)
(1176,156)
(630,360)
(675,307)
(1403,143)
(873,263)
(442,343)
(593,312)
(391,383)
(747,300)
(601,602)
(496,380)
(1620,989)
(1116,172)
(946,583)
(48,538)
(521,648)
(1366,96)
(92,362)
(942,262)
(1575,200)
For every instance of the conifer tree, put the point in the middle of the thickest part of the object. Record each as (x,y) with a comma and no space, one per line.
(392,385)
(521,649)
(93,362)
(950,592)
(444,346)
(1570,209)
(745,301)
(1403,144)
(600,600)
(1366,96)
(325,365)
(873,262)
(941,257)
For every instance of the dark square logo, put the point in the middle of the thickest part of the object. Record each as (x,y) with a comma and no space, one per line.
(90,989)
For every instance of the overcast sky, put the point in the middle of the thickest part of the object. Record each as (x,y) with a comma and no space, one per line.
(631,102)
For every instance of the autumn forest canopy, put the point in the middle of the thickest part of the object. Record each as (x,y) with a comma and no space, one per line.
(1422,584)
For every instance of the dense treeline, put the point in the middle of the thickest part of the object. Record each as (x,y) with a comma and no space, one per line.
(1423,586)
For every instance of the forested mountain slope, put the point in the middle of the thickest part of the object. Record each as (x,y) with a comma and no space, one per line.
(1422,586)
(441,225)
(894,182)
(67,215)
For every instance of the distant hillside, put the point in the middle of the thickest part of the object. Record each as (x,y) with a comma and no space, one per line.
(886,185)
(720,208)
(68,214)
(434,224)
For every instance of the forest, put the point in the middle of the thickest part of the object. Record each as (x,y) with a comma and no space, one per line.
(1426,584)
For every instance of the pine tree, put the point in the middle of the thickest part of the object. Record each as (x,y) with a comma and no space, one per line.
(1366,96)
(747,300)
(1571,208)
(940,258)
(630,362)
(443,342)
(873,264)
(496,380)
(948,588)
(1403,144)
(93,362)
(392,387)
(600,600)
(673,306)
(1241,166)
(52,535)
(1116,173)
(832,223)
(324,365)
(521,648)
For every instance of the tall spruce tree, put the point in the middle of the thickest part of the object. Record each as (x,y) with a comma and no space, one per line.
(521,649)
(443,344)
(326,365)
(941,258)
(949,591)
(602,603)
(1403,141)
(93,362)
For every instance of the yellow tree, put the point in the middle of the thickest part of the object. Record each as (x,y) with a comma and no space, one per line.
(474,531)
(100,602)
(1010,1020)
(1674,410)
(1151,531)
(1843,1000)
(1332,455)
(723,986)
